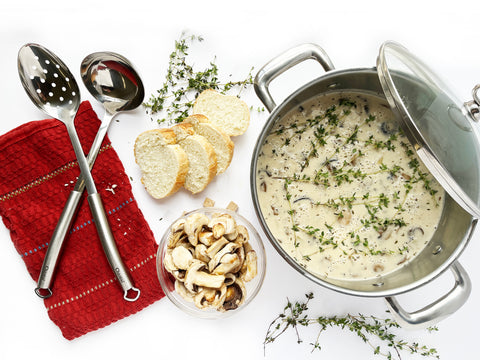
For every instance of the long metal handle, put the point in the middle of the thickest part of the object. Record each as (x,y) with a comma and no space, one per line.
(438,310)
(65,221)
(110,248)
(55,245)
(284,62)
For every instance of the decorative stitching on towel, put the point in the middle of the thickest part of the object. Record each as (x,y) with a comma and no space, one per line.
(77,228)
(99,286)
(44,178)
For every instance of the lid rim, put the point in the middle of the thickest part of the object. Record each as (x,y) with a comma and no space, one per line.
(414,135)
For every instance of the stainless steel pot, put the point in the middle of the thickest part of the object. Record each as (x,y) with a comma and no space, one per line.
(456,226)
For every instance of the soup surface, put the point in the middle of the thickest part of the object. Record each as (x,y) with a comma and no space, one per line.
(342,190)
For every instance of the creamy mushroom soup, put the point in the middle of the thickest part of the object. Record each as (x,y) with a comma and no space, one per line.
(342,190)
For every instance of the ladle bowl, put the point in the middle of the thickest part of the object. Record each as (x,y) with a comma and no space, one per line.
(111,79)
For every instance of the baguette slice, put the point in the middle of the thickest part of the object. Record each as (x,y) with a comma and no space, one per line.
(221,142)
(228,113)
(162,162)
(202,161)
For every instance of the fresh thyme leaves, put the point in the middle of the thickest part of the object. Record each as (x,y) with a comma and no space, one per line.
(378,333)
(183,84)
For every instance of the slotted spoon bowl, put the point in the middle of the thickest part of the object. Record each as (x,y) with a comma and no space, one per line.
(53,89)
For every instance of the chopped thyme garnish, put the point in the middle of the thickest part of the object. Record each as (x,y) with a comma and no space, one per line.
(354,145)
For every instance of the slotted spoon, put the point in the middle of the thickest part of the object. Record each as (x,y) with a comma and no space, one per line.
(53,89)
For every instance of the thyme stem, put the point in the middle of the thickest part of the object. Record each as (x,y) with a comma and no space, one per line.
(370,329)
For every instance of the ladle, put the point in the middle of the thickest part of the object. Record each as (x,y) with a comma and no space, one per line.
(53,89)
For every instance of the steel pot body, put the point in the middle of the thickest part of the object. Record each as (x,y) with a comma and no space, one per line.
(455,228)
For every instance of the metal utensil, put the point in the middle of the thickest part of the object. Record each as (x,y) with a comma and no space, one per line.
(53,89)
(113,81)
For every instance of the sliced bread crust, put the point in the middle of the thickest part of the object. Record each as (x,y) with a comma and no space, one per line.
(201,155)
(229,113)
(163,163)
(221,142)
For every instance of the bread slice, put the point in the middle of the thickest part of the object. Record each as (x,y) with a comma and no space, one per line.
(162,162)
(221,142)
(202,161)
(228,113)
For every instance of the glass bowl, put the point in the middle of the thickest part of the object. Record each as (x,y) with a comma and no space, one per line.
(252,287)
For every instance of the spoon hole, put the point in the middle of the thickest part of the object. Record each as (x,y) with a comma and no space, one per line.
(42,81)
(57,66)
(55,75)
(64,88)
(54,85)
(39,91)
(45,71)
(67,79)
(47,61)
(61,98)
(50,94)
(73,93)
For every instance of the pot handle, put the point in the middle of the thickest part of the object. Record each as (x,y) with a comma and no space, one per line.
(438,310)
(284,62)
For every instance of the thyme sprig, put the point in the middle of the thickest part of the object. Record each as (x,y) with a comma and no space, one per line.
(378,333)
(183,83)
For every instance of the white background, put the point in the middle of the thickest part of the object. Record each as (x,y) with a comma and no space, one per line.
(241,35)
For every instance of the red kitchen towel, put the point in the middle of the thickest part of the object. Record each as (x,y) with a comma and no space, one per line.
(38,172)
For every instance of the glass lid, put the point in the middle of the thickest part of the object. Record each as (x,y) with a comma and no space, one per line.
(437,124)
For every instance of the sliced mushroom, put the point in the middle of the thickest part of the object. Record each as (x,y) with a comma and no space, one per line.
(228,248)
(345,217)
(176,238)
(235,296)
(179,275)
(206,237)
(178,225)
(205,298)
(230,279)
(241,255)
(413,232)
(168,261)
(242,232)
(247,247)
(385,233)
(201,253)
(182,290)
(194,225)
(249,268)
(216,247)
(228,263)
(210,297)
(223,225)
(181,257)
(195,276)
